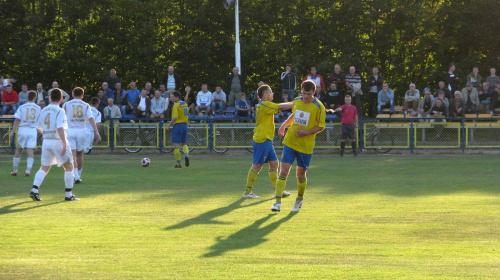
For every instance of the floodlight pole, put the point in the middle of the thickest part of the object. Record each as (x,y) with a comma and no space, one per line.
(237,54)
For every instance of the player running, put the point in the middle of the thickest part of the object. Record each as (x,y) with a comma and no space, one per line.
(55,147)
(77,111)
(26,119)
(94,104)
(179,132)
(307,119)
(263,149)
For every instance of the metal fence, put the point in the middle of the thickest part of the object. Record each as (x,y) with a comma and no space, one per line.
(381,135)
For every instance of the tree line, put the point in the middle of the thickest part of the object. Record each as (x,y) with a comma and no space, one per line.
(76,42)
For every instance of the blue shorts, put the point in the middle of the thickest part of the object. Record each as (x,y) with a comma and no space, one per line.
(263,152)
(179,133)
(289,156)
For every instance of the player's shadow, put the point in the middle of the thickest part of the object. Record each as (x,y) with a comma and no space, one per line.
(248,237)
(9,209)
(209,217)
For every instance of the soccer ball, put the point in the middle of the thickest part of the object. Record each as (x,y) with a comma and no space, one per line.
(145,162)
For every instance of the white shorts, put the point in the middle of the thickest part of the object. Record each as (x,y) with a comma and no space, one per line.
(51,153)
(26,137)
(88,140)
(76,138)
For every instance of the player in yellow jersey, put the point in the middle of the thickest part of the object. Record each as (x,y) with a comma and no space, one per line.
(263,149)
(180,128)
(307,119)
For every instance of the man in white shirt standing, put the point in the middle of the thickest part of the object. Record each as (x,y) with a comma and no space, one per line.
(26,119)
(55,147)
(94,104)
(203,100)
(77,112)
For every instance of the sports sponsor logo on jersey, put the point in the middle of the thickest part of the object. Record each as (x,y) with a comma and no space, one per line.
(302,117)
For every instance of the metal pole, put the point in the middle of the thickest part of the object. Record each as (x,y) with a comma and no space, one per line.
(237,31)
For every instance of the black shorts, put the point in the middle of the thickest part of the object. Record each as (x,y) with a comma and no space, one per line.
(348,131)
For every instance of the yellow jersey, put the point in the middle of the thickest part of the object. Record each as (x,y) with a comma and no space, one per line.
(180,111)
(305,116)
(264,121)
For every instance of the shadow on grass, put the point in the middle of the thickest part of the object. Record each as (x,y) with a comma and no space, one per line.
(248,237)
(9,209)
(208,217)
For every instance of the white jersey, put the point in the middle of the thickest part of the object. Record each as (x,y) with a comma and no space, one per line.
(28,114)
(77,112)
(97,118)
(51,118)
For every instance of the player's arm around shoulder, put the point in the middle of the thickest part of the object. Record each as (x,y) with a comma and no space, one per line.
(285,106)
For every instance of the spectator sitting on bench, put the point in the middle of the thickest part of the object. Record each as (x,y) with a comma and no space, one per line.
(412,97)
(457,106)
(495,100)
(243,106)
(142,105)
(385,98)
(471,98)
(443,98)
(218,100)
(439,112)
(203,100)
(425,105)
(485,96)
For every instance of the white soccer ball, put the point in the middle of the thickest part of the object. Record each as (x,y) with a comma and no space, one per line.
(145,162)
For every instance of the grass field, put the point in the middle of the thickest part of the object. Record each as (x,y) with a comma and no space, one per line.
(372,217)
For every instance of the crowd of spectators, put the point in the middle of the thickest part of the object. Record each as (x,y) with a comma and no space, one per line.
(449,99)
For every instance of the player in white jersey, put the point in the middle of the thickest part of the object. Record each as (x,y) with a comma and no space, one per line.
(77,111)
(55,147)
(94,103)
(26,119)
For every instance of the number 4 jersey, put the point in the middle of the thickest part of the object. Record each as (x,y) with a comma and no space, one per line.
(51,118)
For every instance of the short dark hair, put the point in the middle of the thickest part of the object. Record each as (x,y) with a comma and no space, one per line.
(262,89)
(32,95)
(78,91)
(308,85)
(55,95)
(94,101)
(176,93)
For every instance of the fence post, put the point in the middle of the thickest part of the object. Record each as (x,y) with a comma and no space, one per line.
(412,136)
(210,135)
(160,127)
(462,137)
(111,134)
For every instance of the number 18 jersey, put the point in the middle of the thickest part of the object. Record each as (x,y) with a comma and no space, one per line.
(77,112)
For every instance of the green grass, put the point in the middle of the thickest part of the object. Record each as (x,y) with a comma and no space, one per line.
(374,217)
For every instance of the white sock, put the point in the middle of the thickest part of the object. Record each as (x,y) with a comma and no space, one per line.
(39,176)
(75,172)
(68,183)
(16,164)
(30,164)
(80,173)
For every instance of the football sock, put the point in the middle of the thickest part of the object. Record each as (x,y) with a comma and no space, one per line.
(80,173)
(342,147)
(280,187)
(16,164)
(177,154)
(301,187)
(75,174)
(273,176)
(30,164)
(252,175)
(39,176)
(185,149)
(34,189)
(353,144)
(68,183)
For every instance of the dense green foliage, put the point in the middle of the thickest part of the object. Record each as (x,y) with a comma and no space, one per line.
(406,217)
(76,42)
